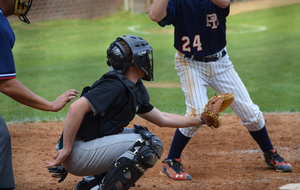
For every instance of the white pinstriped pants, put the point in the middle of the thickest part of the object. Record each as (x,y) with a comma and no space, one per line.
(195,76)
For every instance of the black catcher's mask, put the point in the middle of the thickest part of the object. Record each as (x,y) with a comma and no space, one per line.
(142,55)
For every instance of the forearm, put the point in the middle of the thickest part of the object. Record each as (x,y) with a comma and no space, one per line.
(71,127)
(178,121)
(221,3)
(158,10)
(17,91)
(74,118)
(163,119)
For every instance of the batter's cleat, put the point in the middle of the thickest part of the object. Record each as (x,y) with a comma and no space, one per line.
(174,169)
(275,161)
(83,185)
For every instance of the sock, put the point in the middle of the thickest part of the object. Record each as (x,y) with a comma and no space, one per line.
(178,144)
(262,139)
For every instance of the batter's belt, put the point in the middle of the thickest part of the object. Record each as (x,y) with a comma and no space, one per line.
(208,58)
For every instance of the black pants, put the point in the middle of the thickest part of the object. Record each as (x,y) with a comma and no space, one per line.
(6,171)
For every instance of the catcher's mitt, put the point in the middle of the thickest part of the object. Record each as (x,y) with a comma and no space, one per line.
(215,105)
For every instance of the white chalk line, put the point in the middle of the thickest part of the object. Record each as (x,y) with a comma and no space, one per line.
(137,29)
(244,29)
(249,151)
(291,186)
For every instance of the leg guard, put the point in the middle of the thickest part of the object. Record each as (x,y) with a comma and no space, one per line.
(127,171)
(123,175)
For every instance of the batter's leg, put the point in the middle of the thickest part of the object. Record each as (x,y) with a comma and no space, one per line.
(193,78)
(193,84)
(227,80)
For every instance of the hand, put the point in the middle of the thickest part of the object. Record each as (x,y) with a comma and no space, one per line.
(60,157)
(63,99)
(60,172)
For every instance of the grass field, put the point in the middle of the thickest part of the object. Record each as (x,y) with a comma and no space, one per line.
(54,56)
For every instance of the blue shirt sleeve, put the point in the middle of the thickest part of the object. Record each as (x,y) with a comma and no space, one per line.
(7,40)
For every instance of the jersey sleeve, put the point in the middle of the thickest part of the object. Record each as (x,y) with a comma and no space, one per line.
(171,13)
(145,106)
(106,95)
(224,11)
(7,65)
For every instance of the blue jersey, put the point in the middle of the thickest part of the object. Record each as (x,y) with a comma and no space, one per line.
(200,26)
(7,41)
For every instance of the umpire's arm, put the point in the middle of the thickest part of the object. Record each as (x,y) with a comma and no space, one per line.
(20,93)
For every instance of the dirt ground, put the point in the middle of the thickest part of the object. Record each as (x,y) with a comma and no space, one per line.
(227,158)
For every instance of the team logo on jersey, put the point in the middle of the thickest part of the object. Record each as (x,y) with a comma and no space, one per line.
(212,21)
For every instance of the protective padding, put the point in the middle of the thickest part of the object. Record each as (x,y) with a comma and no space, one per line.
(123,175)
(127,171)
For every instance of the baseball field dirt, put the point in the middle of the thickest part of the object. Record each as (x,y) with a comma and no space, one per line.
(227,158)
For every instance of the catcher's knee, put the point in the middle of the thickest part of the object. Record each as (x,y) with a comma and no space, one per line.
(151,147)
(126,171)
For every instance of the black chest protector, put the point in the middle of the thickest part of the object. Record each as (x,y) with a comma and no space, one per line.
(114,119)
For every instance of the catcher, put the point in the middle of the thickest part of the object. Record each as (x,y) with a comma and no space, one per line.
(95,142)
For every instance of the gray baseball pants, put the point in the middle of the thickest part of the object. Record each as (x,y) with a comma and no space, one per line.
(98,156)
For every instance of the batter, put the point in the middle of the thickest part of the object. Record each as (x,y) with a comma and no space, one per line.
(202,60)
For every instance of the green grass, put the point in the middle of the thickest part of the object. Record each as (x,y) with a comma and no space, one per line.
(54,56)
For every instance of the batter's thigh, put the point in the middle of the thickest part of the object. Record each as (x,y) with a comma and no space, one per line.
(228,80)
(193,76)
(97,156)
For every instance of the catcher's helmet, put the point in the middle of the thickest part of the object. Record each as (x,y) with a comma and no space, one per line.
(142,55)
(21,9)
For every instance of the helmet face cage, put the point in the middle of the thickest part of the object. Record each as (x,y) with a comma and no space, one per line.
(21,9)
(142,54)
(144,61)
